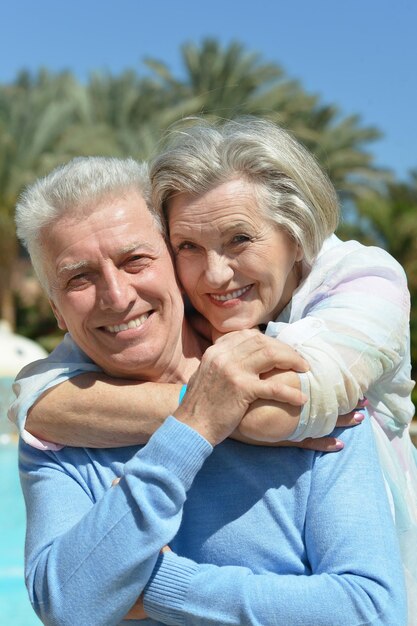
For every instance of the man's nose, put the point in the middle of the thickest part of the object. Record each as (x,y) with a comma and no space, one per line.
(218,270)
(116,291)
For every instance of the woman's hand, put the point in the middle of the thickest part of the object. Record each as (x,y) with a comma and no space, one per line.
(233,374)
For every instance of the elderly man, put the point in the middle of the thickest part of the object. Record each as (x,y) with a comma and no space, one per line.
(259,535)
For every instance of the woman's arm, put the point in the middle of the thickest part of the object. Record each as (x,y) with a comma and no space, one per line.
(87,406)
(352,325)
(96,411)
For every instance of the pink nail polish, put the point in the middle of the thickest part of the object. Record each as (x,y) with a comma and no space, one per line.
(339,445)
(358,417)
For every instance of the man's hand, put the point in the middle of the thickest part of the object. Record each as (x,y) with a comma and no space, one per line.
(229,379)
(137,611)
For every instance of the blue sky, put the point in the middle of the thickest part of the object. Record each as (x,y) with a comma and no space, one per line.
(360,55)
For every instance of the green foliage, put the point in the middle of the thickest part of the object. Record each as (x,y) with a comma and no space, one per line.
(389,219)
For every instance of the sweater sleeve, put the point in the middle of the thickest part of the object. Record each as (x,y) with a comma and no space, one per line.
(352,326)
(87,562)
(355,576)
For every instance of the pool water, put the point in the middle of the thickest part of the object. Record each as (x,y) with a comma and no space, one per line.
(6,397)
(15,609)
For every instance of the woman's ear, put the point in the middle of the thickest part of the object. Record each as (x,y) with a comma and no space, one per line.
(299,253)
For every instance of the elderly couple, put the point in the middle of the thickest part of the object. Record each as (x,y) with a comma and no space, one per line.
(231,510)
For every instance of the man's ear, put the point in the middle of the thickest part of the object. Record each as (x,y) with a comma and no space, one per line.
(61,322)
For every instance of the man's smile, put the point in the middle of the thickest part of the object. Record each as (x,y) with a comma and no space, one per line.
(134,323)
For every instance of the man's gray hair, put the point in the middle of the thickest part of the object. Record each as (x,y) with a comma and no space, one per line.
(71,188)
(291,187)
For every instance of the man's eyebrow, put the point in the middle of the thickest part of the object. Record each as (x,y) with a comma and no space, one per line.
(70,267)
(137,245)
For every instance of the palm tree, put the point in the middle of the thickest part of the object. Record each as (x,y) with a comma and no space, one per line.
(134,110)
(229,81)
(390,220)
(35,114)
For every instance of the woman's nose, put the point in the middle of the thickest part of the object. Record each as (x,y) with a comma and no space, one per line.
(218,270)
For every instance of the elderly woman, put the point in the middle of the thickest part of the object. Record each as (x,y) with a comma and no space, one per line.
(251,218)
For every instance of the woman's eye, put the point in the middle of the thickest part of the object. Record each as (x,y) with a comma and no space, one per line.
(241,239)
(185,245)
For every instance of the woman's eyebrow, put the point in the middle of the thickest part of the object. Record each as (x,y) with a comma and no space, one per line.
(228,228)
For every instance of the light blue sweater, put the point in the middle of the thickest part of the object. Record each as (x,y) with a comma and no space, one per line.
(260,536)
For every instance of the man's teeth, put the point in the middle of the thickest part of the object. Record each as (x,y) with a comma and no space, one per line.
(132,324)
(231,295)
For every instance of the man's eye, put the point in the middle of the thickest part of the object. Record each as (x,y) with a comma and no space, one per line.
(137,262)
(78,281)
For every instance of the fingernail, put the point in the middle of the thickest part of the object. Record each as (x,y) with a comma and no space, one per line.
(358,417)
(339,445)
(362,403)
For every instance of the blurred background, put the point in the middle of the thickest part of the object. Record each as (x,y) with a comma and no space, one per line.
(103,78)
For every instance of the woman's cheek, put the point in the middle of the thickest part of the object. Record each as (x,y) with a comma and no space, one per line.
(185,271)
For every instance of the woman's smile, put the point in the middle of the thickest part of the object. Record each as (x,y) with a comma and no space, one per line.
(237,266)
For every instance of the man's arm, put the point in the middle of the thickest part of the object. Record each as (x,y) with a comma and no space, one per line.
(90,547)
(354,574)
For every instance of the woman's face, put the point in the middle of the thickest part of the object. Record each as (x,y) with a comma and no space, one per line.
(236,266)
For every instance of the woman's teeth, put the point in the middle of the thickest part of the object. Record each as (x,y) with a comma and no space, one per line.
(229,296)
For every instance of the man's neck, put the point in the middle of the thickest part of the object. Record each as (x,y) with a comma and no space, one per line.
(188,356)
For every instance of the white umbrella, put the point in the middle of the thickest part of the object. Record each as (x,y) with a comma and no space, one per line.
(16,351)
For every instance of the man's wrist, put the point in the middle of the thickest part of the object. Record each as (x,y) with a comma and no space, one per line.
(174,573)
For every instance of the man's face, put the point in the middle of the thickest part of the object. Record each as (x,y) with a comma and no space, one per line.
(113,287)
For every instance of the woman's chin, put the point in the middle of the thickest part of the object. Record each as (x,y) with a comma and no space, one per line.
(233,324)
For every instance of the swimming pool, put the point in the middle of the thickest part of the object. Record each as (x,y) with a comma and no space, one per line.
(15,609)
